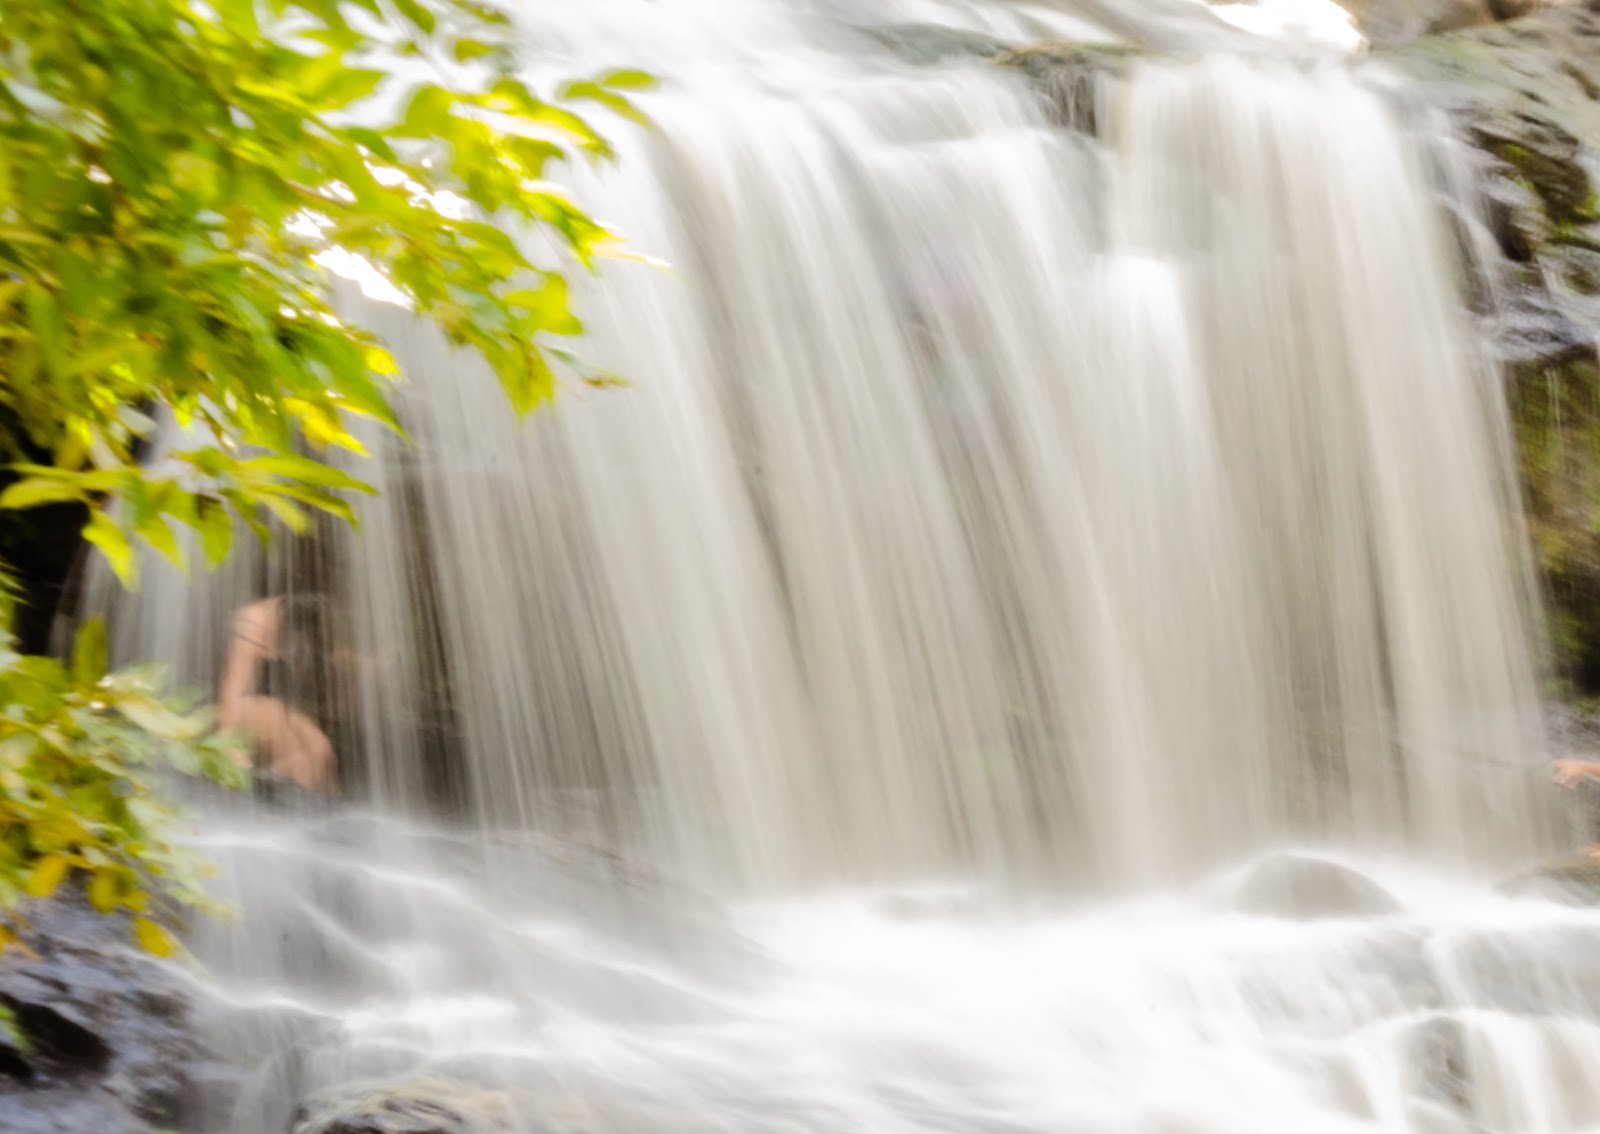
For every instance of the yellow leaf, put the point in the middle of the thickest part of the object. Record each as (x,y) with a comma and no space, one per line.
(103,532)
(153,938)
(103,889)
(38,490)
(46,876)
(380,361)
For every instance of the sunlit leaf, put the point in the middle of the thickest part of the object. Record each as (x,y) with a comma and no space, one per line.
(154,939)
(46,875)
(154,717)
(103,889)
(216,531)
(36,491)
(104,533)
(90,652)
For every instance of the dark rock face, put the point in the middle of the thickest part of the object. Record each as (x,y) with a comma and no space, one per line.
(107,1047)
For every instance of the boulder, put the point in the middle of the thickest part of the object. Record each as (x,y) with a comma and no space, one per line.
(103,1042)
(1305,887)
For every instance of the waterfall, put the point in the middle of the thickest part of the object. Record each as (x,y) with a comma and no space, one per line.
(985,497)
(992,506)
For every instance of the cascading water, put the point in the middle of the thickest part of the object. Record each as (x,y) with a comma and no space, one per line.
(999,514)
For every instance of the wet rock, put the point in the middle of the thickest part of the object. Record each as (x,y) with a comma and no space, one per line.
(1401,21)
(1526,95)
(1572,881)
(1072,76)
(933,43)
(105,1039)
(1435,1052)
(1305,887)
(438,1104)
(424,1106)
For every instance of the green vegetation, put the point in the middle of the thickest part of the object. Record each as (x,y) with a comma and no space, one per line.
(171,174)
(78,752)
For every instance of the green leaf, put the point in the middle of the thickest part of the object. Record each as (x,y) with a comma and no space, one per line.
(307,471)
(627,80)
(466,50)
(348,85)
(154,717)
(427,113)
(216,530)
(610,99)
(49,327)
(155,531)
(418,14)
(11,1032)
(546,307)
(89,652)
(153,938)
(17,748)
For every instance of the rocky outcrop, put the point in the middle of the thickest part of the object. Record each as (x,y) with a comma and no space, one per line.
(102,1040)
(1526,94)
(1401,21)
(1390,22)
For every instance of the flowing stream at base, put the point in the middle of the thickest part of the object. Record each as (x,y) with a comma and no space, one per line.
(1030,504)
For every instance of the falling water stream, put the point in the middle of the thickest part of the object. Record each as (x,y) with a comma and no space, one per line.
(1029,521)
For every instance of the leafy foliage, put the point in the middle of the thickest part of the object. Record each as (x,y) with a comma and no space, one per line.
(173,177)
(80,750)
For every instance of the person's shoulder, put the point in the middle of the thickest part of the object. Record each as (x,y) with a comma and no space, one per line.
(262,615)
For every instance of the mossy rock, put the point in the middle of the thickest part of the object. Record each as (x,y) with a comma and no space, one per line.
(1526,95)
